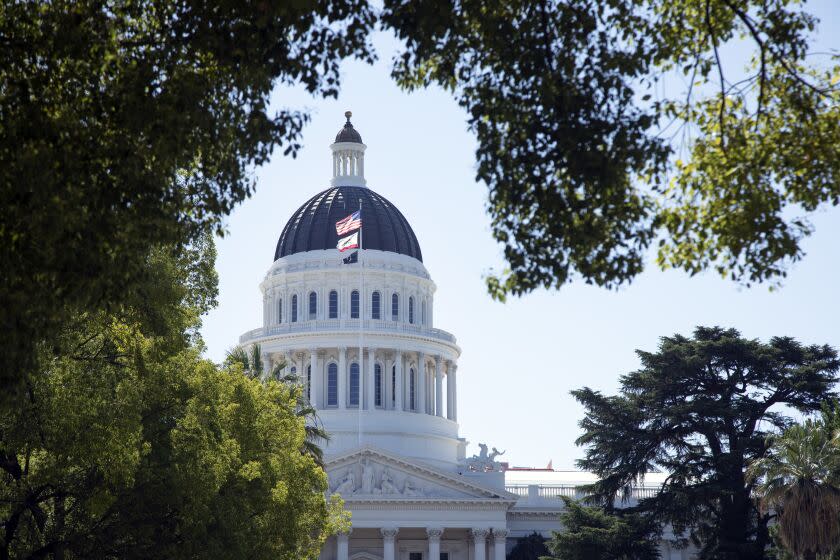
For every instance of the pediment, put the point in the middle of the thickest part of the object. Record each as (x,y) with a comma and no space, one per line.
(370,473)
(365,556)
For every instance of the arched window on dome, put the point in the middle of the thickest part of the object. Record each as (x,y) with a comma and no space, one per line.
(377,385)
(309,382)
(423,313)
(294,308)
(411,389)
(313,305)
(280,311)
(393,385)
(395,307)
(332,385)
(354,385)
(333,305)
(354,304)
(411,310)
(375,301)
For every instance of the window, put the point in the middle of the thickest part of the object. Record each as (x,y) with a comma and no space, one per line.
(415,556)
(332,385)
(354,304)
(294,308)
(395,307)
(313,305)
(333,305)
(393,385)
(444,556)
(423,313)
(354,384)
(411,389)
(411,310)
(308,382)
(280,311)
(377,385)
(374,306)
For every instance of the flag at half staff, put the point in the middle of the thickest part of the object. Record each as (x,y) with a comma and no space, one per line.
(351,258)
(350,223)
(349,242)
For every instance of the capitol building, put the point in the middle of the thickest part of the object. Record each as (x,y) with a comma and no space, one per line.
(358,328)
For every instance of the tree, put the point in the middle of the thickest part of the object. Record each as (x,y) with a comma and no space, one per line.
(591,533)
(799,478)
(701,409)
(252,365)
(589,161)
(530,547)
(132,446)
(130,125)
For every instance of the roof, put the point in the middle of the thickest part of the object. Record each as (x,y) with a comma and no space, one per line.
(312,226)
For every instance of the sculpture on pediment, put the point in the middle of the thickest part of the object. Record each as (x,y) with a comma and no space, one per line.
(410,490)
(387,485)
(347,485)
(368,477)
(484,462)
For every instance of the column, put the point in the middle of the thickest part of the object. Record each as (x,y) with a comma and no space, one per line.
(453,382)
(499,541)
(371,389)
(438,386)
(342,377)
(421,382)
(398,390)
(389,542)
(315,385)
(434,534)
(343,545)
(449,389)
(479,540)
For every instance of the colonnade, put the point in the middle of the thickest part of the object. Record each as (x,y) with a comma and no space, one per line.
(481,537)
(407,381)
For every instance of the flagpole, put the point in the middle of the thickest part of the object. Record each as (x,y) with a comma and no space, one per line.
(361,325)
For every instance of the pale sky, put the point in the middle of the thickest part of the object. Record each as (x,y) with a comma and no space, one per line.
(519,359)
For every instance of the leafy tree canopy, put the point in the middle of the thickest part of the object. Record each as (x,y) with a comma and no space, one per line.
(531,547)
(591,157)
(701,409)
(129,445)
(590,533)
(125,125)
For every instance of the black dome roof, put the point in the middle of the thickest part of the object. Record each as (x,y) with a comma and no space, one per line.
(348,133)
(312,226)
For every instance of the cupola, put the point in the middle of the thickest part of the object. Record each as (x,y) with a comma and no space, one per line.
(348,157)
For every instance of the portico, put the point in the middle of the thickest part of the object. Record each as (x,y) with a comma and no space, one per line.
(405,511)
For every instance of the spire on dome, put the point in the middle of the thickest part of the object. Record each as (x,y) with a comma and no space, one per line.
(348,157)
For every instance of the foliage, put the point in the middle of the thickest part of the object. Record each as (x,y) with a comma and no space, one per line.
(701,409)
(129,445)
(590,533)
(588,161)
(799,478)
(530,547)
(251,362)
(125,125)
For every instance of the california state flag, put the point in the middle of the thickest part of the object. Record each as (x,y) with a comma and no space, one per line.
(349,242)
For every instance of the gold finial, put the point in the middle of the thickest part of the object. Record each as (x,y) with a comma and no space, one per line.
(348,114)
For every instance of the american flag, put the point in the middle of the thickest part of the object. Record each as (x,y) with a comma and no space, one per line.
(350,223)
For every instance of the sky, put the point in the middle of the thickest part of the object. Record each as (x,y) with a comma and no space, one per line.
(520,359)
